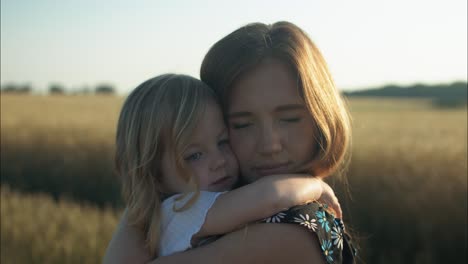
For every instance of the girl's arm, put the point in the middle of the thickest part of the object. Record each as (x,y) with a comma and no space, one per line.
(258,200)
(259,243)
(127,245)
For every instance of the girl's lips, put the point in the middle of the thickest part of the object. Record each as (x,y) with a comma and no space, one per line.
(264,170)
(224,182)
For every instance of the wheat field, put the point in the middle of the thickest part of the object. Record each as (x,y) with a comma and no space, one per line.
(37,229)
(406,200)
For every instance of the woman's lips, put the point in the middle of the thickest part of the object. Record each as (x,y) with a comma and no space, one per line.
(270,169)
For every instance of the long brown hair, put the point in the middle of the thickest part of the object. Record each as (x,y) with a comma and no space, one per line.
(159,115)
(248,46)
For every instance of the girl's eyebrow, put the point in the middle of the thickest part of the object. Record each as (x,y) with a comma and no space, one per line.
(192,146)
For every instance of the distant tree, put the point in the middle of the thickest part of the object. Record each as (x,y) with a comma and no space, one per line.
(105,89)
(56,89)
(9,88)
(446,94)
(15,88)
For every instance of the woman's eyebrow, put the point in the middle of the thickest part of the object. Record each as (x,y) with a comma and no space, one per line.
(289,107)
(239,114)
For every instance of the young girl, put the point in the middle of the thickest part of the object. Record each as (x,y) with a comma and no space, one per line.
(176,165)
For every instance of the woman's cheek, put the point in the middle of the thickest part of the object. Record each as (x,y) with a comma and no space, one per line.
(303,141)
(232,164)
(235,141)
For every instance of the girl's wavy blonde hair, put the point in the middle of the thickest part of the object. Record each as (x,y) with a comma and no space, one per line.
(158,116)
(246,48)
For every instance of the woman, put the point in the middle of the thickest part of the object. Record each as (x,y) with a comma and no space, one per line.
(284,116)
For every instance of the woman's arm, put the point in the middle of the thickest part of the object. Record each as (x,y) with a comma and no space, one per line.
(258,200)
(127,245)
(259,243)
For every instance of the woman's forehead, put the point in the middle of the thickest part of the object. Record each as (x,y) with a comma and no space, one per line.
(271,84)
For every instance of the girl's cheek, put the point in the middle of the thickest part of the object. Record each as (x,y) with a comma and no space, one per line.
(199,172)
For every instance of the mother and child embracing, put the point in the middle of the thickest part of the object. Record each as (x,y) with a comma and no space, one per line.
(230,169)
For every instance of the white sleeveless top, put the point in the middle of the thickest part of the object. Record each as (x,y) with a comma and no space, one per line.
(177,228)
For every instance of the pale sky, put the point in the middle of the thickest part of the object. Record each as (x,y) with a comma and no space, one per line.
(367,43)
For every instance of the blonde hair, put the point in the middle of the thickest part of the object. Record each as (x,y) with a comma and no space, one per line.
(246,48)
(158,116)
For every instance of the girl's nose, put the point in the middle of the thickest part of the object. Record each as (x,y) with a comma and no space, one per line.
(218,162)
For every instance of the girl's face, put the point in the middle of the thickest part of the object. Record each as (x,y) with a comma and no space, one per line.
(208,156)
(270,128)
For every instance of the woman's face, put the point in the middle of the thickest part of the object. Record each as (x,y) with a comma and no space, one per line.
(271,130)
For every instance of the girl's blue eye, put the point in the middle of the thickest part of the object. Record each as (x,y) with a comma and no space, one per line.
(193,157)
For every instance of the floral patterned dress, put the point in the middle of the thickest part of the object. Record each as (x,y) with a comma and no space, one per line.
(336,244)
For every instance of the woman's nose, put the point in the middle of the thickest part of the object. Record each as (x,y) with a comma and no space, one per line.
(270,140)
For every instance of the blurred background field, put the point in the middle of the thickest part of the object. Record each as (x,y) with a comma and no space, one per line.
(65,66)
(60,199)
(37,229)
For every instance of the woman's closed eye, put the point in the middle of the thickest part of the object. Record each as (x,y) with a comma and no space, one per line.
(193,157)
(294,119)
(240,125)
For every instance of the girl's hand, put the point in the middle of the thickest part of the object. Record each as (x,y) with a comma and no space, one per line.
(328,197)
